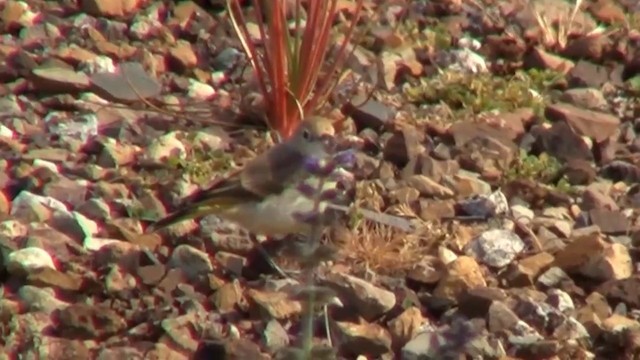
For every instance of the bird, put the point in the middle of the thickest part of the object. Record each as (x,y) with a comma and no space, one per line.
(263,196)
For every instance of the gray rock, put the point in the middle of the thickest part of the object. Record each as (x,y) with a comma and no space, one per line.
(275,336)
(28,260)
(367,299)
(496,248)
(37,299)
(190,260)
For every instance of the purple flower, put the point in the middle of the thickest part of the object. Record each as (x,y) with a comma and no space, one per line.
(310,217)
(306,189)
(319,167)
(329,194)
(346,158)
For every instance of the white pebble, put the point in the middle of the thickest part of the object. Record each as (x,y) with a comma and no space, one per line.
(29,259)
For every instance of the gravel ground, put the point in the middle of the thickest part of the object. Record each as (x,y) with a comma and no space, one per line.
(505,131)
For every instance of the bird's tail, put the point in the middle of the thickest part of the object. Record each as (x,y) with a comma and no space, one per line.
(179,216)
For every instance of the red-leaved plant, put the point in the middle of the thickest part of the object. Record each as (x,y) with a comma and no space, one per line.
(290,63)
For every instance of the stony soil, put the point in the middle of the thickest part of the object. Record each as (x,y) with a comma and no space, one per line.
(504,130)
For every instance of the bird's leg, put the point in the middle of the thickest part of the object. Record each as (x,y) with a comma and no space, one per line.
(268,257)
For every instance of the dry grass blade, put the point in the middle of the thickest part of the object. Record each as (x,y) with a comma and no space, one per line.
(559,35)
(385,249)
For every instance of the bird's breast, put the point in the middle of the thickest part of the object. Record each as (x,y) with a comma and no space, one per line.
(275,215)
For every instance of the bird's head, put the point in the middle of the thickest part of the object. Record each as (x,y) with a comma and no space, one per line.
(313,136)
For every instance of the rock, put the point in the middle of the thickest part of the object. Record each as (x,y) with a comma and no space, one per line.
(578,172)
(587,74)
(183,57)
(522,213)
(371,340)
(596,125)
(83,321)
(116,154)
(481,147)
(37,299)
(178,330)
(57,348)
(560,300)
(200,91)
(72,192)
(561,142)
(608,12)
(405,326)
(465,184)
(118,281)
(59,80)
(496,248)
(164,147)
(463,274)
(612,222)
(11,229)
(500,317)
(587,98)
(428,187)
(74,54)
(231,349)
(485,206)
(109,8)
(276,305)
(446,342)
(47,277)
(49,154)
(368,113)
(32,207)
(16,15)
(390,64)
(191,261)
(429,270)
(24,326)
(212,140)
(96,209)
(591,256)
(623,290)
(227,297)
(539,58)
(231,262)
(420,347)
(587,46)
(514,123)
(617,323)
(29,260)
(475,302)
(366,299)
(227,58)
(275,336)
(74,132)
(57,244)
(553,277)
(526,271)
(402,147)
(404,195)
(435,210)
(151,274)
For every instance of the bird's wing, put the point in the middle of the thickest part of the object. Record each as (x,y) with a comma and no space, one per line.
(269,173)
(273,171)
(208,201)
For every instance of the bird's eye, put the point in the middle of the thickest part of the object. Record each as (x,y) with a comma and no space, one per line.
(306,134)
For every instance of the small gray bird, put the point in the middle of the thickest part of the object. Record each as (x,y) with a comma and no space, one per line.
(263,197)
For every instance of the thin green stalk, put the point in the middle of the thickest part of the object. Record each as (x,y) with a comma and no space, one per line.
(314,241)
